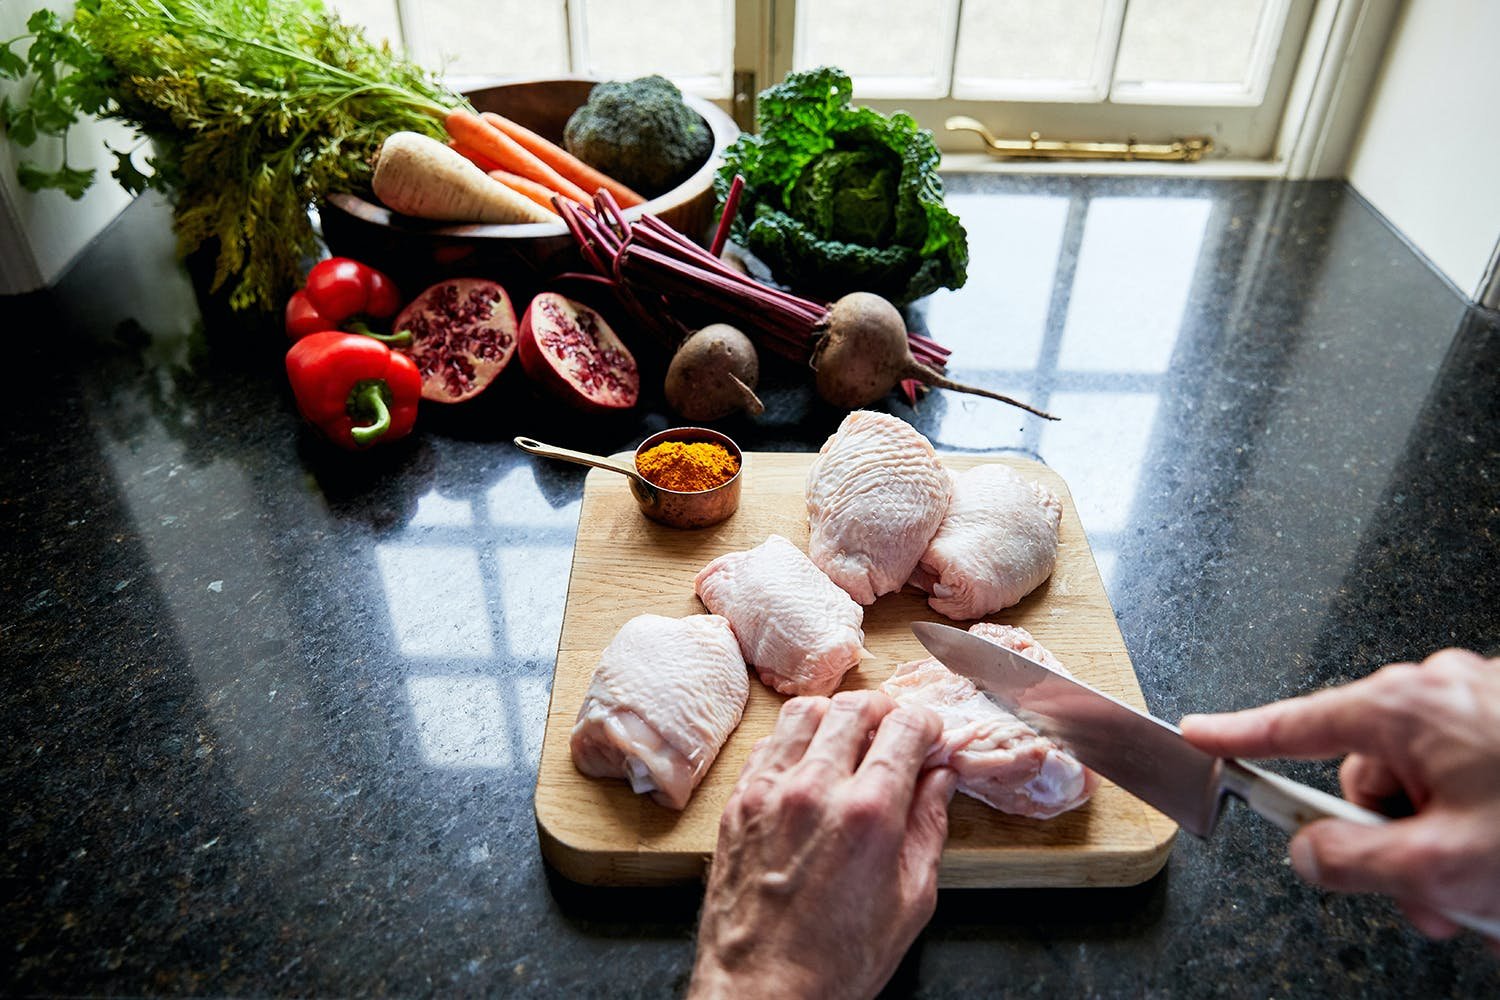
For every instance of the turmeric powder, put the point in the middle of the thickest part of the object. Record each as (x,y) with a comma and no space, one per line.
(688,466)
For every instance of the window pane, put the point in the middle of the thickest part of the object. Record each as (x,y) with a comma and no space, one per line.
(1029,50)
(377,17)
(892,48)
(688,40)
(479,37)
(1171,48)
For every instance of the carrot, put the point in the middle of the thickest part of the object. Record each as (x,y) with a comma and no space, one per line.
(482,162)
(563,162)
(539,193)
(419,176)
(483,138)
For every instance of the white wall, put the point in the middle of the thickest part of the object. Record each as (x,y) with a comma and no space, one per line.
(1428,156)
(41,233)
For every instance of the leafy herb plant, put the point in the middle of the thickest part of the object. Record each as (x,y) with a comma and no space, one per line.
(253,110)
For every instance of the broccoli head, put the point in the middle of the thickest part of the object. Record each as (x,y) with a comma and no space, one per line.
(640,133)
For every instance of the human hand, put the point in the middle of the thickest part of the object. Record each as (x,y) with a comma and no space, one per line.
(826,865)
(1423,740)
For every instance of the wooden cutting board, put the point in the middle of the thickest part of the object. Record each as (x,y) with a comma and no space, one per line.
(597,831)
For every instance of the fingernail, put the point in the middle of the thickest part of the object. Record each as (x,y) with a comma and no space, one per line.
(950,780)
(1303,859)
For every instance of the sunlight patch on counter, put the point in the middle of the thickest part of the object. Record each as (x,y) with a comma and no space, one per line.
(533,586)
(519,499)
(460,721)
(1099,450)
(436,599)
(437,511)
(1014,242)
(1136,267)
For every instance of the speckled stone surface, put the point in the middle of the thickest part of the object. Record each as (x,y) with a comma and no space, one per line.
(273,714)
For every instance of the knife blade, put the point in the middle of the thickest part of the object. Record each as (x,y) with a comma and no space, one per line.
(1142,754)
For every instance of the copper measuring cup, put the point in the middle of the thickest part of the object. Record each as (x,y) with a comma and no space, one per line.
(675,508)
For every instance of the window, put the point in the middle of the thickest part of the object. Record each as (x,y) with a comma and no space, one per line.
(1111,70)
(690,41)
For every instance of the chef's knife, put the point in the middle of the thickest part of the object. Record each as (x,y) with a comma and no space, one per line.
(1142,754)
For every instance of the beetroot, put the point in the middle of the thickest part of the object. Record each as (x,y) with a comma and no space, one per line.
(569,348)
(463,333)
(864,352)
(713,374)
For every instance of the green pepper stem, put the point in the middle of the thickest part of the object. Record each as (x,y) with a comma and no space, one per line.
(371,398)
(401,339)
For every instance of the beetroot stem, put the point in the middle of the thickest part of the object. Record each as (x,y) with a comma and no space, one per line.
(573,220)
(726,219)
(698,258)
(600,234)
(766,313)
(784,336)
(927,354)
(595,279)
(928,344)
(611,208)
(732,283)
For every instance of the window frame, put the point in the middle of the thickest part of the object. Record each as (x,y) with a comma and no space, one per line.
(1323,91)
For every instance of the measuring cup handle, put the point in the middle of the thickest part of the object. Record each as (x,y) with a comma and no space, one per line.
(581,457)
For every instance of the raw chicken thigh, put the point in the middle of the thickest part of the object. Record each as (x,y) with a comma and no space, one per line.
(799,631)
(997,543)
(1000,760)
(665,696)
(875,497)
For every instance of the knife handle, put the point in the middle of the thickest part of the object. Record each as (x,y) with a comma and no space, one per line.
(1292,805)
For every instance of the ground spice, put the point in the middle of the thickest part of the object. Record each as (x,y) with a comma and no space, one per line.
(688,466)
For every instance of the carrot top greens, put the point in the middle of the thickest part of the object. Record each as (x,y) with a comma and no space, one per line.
(253,110)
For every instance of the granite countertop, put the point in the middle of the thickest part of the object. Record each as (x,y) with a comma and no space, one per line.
(273,712)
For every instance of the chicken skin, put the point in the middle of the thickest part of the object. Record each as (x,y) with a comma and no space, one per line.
(1000,760)
(876,494)
(665,696)
(798,630)
(996,544)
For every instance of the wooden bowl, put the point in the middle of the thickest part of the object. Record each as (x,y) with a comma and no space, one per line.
(522,257)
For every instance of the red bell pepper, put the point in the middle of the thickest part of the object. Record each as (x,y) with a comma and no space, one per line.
(342,294)
(353,388)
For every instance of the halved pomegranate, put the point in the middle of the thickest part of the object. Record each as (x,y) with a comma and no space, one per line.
(571,350)
(463,332)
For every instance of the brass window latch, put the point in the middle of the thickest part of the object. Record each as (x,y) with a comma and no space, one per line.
(1034,147)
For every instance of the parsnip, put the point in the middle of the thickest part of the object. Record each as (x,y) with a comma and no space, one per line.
(420,176)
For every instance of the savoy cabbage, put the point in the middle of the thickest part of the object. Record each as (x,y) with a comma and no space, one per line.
(840,198)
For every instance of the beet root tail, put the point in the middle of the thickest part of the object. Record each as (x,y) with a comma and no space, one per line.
(937,380)
(750,401)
